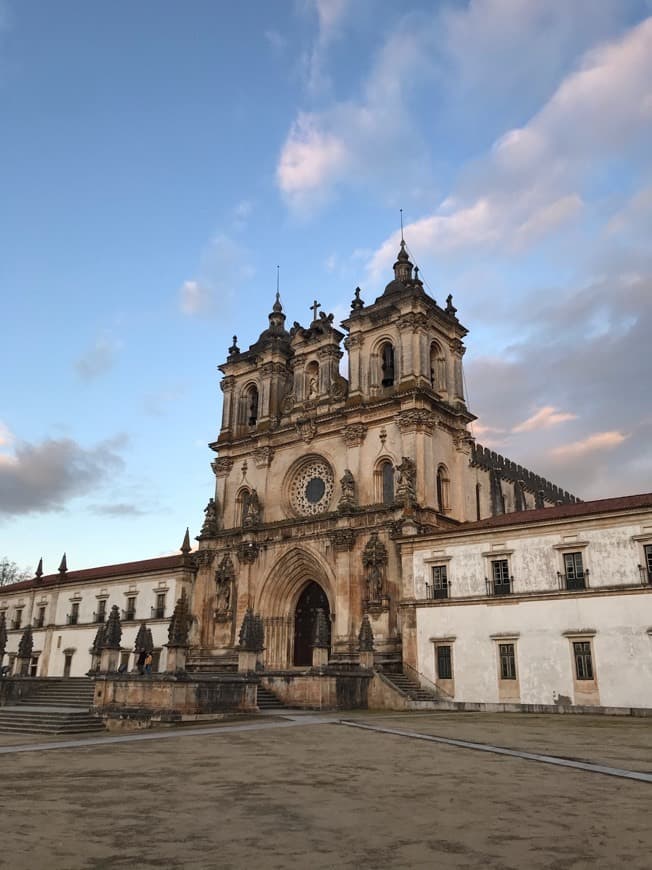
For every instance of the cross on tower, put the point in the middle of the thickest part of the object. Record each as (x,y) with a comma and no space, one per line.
(315,308)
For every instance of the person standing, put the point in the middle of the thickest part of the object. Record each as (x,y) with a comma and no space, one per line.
(148,664)
(140,664)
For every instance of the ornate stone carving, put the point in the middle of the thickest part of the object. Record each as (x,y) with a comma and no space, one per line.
(339,388)
(253,512)
(321,632)
(144,641)
(252,632)
(113,630)
(355,340)
(204,558)
(227,383)
(222,466)
(348,500)
(224,579)
(26,644)
(209,528)
(416,419)
(180,622)
(247,552)
(306,429)
(354,434)
(287,403)
(311,488)
(342,539)
(406,487)
(263,456)
(365,636)
(374,559)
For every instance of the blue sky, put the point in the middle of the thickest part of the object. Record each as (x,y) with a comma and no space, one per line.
(158,159)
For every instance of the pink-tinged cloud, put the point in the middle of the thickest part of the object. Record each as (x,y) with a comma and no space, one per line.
(598,441)
(544,419)
(311,159)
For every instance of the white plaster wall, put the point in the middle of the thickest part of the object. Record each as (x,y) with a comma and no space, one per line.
(622,646)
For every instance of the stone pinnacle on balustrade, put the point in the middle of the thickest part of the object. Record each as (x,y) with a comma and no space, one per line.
(179,627)
(365,636)
(39,569)
(3,636)
(111,642)
(25,647)
(259,633)
(185,546)
(63,566)
(141,644)
(248,632)
(320,635)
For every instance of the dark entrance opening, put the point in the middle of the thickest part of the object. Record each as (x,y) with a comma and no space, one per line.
(311,599)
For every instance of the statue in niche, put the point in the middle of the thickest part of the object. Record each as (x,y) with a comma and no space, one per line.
(406,488)
(348,498)
(313,388)
(252,510)
(210,519)
(224,578)
(374,559)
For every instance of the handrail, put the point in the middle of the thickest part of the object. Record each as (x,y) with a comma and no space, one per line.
(419,676)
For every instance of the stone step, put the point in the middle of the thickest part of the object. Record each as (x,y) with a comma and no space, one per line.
(49,722)
(267,700)
(408,686)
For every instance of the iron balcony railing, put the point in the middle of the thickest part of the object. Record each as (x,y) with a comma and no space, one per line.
(72,618)
(433,592)
(575,581)
(39,621)
(158,612)
(99,617)
(128,615)
(15,624)
(499,587)
(646,575)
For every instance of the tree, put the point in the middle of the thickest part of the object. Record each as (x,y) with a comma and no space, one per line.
(11,573)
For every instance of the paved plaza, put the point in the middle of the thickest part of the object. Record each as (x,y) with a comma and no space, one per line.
(311,791)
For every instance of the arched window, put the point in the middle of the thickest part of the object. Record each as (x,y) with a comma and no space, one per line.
(443,489)
(251,405)
(385,482)
(241,505)
(387,364)
(437,368)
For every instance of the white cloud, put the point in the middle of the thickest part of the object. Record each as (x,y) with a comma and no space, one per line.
(543,419)
(6,436)
(311,160)
(595,442)
(223,268)
(330,16)
(98,359)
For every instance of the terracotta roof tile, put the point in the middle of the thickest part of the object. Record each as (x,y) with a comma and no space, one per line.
(563,511)
(104,572)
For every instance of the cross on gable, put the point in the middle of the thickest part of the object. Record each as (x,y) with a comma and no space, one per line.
(315,308)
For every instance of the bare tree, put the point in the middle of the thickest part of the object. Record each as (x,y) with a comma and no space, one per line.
(11,573)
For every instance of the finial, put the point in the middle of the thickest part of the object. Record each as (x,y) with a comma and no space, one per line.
(357,303)
(402,240)
(450,308)
(185,547)
(315,308)
(63,567)
(278,280)
(234,347)
(39,569)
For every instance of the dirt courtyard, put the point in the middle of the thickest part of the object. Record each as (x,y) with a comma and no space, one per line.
(314,793)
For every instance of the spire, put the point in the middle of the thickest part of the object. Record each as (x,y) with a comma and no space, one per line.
(63,567)
(185,547)
(39,569)
(276,316)
(402,271)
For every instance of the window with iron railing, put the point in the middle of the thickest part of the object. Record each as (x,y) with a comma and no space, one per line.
(439,586)
(158,612)
(646,569)
(501,582)
(574,576)
(39,621)
(129,614)
(17,620)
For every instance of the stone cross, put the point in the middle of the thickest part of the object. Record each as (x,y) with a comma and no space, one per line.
(315,308)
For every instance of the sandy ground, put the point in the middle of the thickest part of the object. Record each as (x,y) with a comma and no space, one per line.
(329,796)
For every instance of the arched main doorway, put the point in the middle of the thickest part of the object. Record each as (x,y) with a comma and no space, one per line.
(311,599)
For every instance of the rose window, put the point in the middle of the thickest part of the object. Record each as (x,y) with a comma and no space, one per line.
(312,488)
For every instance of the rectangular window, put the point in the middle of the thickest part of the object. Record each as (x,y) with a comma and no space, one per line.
(100,616)
(439,588)
(648,562)
(159,610)
(583,661)
(507,661)
(74,613)
(18,618)
(131,608)
(574,569)
(40,619)
(444,663)
(500,575)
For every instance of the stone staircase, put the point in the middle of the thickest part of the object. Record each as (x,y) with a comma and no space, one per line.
(268,701)
(410,688)
(205,663)
(56,706)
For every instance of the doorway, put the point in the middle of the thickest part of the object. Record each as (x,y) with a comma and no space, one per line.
(311,599)
(67,664)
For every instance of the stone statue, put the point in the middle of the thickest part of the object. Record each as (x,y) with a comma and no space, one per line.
(406,488)
(313,388)
(224,577)
(374,559)
(209,529)
(348,498)
(252,513)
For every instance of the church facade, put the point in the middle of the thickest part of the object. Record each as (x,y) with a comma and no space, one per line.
(319,476)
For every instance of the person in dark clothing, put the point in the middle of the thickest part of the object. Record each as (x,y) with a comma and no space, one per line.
(141,662)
